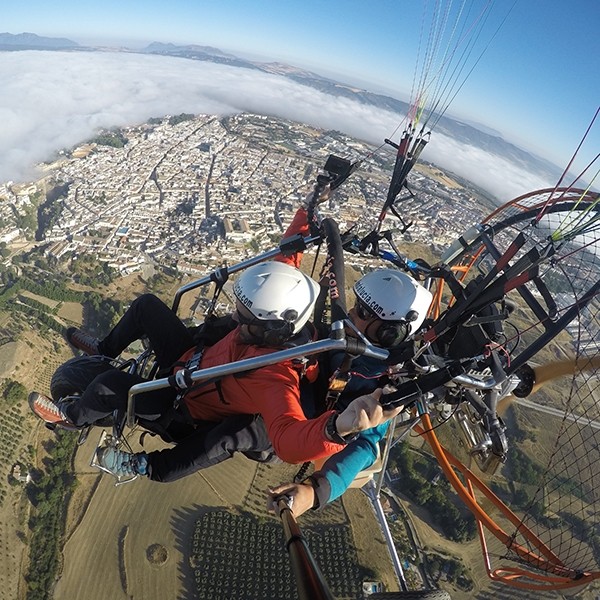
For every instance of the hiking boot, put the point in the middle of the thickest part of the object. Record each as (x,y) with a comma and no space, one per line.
(82,341)
(48,410)
(121,463)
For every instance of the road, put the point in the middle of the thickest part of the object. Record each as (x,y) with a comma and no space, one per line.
(556,412)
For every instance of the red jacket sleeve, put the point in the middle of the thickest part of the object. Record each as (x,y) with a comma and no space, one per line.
(295,438)
(299,224)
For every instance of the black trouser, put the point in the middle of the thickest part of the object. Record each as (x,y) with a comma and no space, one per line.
(210,443)
(147,316)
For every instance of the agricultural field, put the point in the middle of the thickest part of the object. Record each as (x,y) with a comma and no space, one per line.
(149,540)
(30,363)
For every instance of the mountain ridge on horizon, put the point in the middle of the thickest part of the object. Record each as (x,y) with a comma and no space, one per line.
(32,41)
(483,138)
(460,129)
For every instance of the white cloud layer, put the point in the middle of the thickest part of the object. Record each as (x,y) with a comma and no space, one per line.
(55,100)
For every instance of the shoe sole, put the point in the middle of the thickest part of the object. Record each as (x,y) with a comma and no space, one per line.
(52,425)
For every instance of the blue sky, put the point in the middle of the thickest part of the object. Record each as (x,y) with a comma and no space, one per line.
(537,82)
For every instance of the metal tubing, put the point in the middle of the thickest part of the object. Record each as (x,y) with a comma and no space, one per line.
(248,364)
(386,455)
(556,328)
(274,253)
(371,492)
(474,382)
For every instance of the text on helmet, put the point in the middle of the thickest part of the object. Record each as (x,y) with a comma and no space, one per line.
(239,294)
(367,300)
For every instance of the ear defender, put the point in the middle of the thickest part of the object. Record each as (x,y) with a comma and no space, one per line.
(391,334)
(278,337)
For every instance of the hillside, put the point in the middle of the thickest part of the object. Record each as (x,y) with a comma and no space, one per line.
(31,41)
(143,539)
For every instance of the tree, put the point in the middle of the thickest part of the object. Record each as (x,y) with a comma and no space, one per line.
(14,391)
(114,139)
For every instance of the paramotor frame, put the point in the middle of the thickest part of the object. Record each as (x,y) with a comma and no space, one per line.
(552,243)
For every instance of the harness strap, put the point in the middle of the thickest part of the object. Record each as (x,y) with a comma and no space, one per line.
(337,384)
(193,363)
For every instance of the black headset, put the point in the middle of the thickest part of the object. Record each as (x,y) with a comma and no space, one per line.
(275,333)
(278,336)
(389,333)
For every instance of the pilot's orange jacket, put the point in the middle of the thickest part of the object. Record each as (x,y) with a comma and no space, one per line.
(271,391)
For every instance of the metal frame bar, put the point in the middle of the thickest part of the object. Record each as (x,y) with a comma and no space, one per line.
(372,490)
(339,342)
(212,278)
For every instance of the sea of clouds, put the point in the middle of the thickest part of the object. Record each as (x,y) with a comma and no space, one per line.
(55,100)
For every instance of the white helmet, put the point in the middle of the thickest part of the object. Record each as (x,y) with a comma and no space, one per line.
(393,296)
(277,294)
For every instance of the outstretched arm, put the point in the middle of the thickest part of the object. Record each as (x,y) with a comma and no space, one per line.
(299,224)
(336,474)
(364,413)
(297,439)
